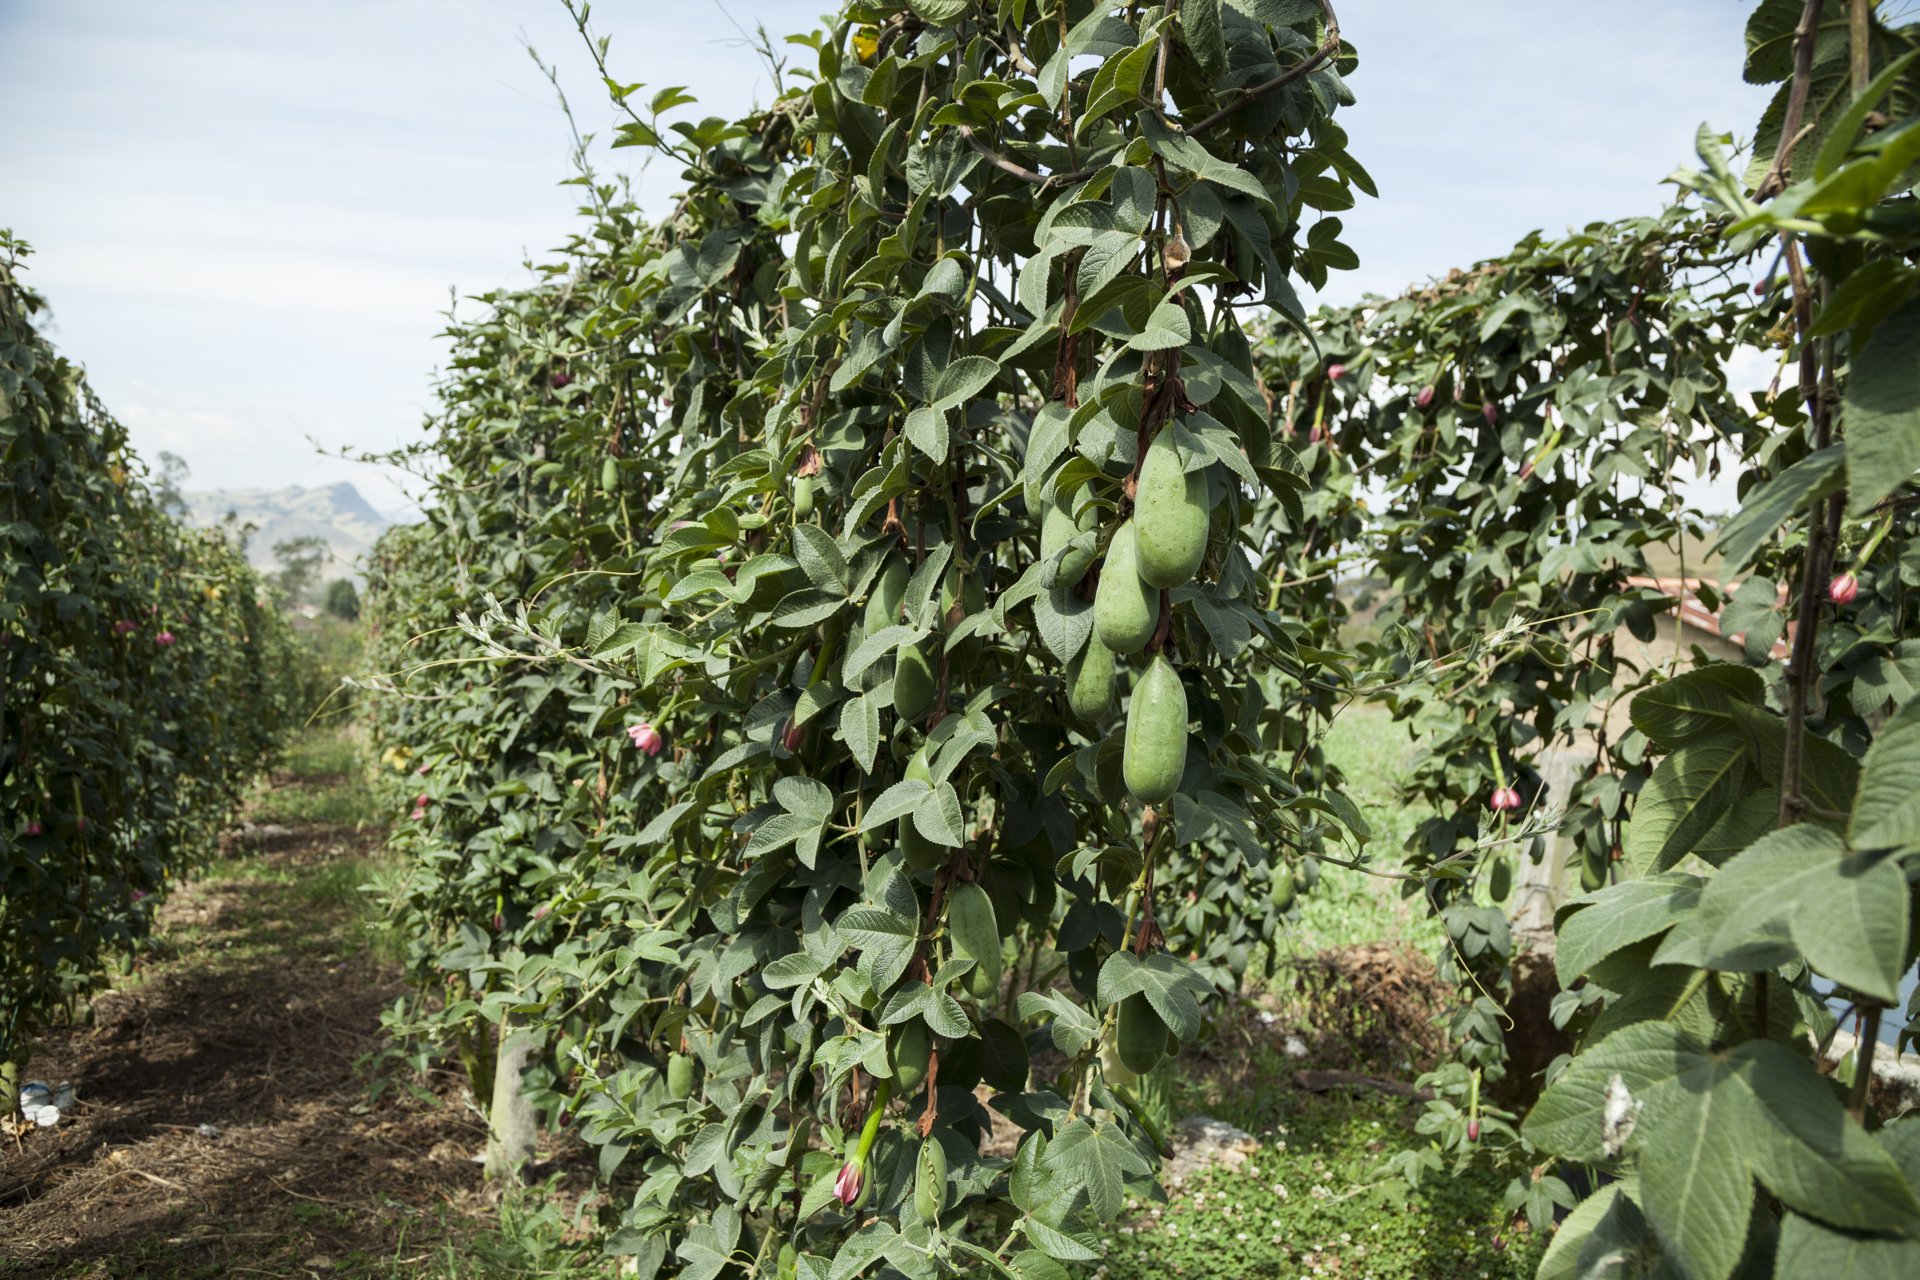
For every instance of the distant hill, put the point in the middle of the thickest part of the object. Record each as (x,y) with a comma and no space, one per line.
(336,513)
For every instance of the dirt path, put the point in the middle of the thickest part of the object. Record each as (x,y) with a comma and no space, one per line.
(223,1127)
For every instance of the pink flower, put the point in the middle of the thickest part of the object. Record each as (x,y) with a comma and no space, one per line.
(1504,799)
(847,1186)
(1335,372)
(1526,472)
(419,813)
(123,627)
(560,380)
(646,737)
(164,638)
(1843,589)
(139,894)
(1425,397)
(1490,413)
(540,912)
(34,828)
(422,770)
(1473,1131)
(422,800)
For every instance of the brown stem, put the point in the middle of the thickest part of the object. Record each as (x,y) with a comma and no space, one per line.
(1793,803)
(1803,43)
(1860,54)
(1018,170)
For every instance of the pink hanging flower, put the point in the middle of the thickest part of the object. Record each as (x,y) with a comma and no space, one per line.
(419,813)
(1473,1131)
(139,894)
(423,770)
(646,737)
(846,1187)
(165,638)
(1490,413)
(1425,397)
(1504,800)
(422,800)
(35,829)
(123,627)
(1335,372)
(1843,589)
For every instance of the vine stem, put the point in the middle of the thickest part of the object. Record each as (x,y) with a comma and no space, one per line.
(1863,1062)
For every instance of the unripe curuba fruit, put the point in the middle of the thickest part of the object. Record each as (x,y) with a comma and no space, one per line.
(1139,1035)
(680,1076)
(920,853)
(803,497)
(889,589)
(913,689)
(1125,609)
(976,936)
(930,1182)
(1500,879)
(1058,527)
(910,1052)
(1090,682)
(1593,874)
(609,474)
(1170,515)
(1282,892)
(1154,754)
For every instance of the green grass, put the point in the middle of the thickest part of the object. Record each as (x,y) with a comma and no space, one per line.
(327,785)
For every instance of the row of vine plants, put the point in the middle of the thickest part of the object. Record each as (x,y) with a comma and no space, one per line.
(143,684)
(873,631)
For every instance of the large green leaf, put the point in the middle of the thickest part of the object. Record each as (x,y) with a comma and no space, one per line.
(1684,799)
(1810,1248)
(1696,703)
(1768,507)
(1886,810)
(1599,924)
(1883,411)
(1703,1125)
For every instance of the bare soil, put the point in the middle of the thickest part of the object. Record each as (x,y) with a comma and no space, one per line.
(224,1124)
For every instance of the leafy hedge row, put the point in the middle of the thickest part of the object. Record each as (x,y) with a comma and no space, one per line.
(143,682)
(726,689)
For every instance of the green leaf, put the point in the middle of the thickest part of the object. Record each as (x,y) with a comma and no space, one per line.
(1200,20)
(1171,987)
(1684,799)
(926,429)
(897,801)
(1167,328)
(962,380)
(1886,809)
(1883,411)
(1098,1158)
(860,730)
(1763,511)
(940,819)
(1603,922)
(1705,1124)
(1809,1248)
(1696,703)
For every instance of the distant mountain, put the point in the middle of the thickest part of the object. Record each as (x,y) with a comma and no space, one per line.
(336,513)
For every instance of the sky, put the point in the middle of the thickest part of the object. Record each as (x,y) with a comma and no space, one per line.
(250,219)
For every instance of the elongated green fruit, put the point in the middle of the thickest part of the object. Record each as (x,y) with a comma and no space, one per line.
(930,1182)
(680,1075)
(803,497)
(1154,754)
(912,682)
(1057,529)
(1090,682)
(1170,515)
(609,475)
(976,936)
(1500,880)
(1125,609)
(889,589)
(1282,893)
(921,853)
(1140,1035)
(910,1052)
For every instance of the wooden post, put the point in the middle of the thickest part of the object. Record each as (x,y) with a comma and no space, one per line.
(512,1127)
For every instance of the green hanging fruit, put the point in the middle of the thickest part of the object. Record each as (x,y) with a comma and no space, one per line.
(1593,873)
(1140,1035)
(920,853)
(609,474)
(1500,879)
(930,1182)
(910,1052)
(1154,754)
(680,1076)
(889,589)
(1282,892)
(976,936)
(1170,516)
(1090,682)
(803,497)
(912,682)
(1125,609)
(1058,527)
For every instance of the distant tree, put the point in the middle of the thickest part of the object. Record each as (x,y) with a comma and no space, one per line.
(166,486)
(300,562)
(342,600)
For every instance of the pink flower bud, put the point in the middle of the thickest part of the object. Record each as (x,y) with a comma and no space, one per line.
(1761,286)
(846,1187)
(139,894)
(1843,589)
(1526,472)
(795,736)
(540,912)
(646,737)
(80,825)
(123,627)
(35,829)
(164,639)
(499,922)
(560,380)
(422,770)
(1490,413)
(1473,1131)
(418,814)
(1504,799)
(1335,372)
(422,800)
(1425,397)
